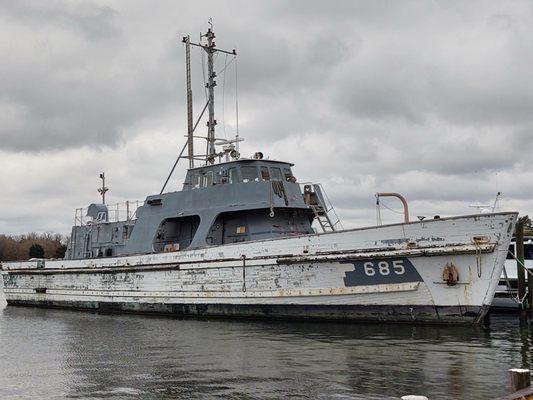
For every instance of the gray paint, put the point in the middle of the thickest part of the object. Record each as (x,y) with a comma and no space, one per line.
(393,270)
(252,201)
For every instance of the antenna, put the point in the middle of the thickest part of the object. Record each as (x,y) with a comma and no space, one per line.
(210,49)
(231,147)
(236,108)
(190,129)
(496,201)
(103,189)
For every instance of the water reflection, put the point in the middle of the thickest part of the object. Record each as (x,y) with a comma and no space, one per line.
(57,354)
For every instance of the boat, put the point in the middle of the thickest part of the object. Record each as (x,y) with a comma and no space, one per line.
(243,238)
(506,299)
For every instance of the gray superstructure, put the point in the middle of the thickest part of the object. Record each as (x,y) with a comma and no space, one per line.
(230,202)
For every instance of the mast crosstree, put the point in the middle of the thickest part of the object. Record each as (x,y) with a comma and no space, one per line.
(210,48)
(230,147)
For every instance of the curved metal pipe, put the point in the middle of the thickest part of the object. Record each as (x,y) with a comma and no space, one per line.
(402,199)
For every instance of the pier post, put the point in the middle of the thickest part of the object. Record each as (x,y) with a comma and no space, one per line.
(519,379)
(520,272)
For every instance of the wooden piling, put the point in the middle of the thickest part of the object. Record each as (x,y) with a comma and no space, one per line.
(519,379)
(530,293)
(521,273)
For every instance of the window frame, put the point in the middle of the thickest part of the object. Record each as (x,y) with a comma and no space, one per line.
(262,170)
(272,175)
(205,176)
(249,167)
(233,175)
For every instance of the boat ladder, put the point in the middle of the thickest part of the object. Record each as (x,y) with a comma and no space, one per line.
(317,200)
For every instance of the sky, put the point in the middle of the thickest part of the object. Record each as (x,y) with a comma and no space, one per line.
(427,98)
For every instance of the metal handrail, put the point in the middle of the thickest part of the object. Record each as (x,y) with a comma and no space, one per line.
(121,211)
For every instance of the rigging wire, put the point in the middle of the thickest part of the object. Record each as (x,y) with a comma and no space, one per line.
(390,209)
(236,106)
(224,96)
(378,213)
(227,65)
(203,74)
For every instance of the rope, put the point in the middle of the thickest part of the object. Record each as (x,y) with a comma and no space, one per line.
(390,209)
(520,263)
(517,300)
(478,259)
(510,289)
(271,202)
(243,273)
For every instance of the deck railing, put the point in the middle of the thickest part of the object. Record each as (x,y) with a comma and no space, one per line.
(123,211)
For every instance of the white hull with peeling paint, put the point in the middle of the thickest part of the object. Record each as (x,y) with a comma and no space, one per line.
(392,272)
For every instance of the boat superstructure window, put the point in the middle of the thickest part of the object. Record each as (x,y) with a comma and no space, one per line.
(289,177)
(249,174)
(207,179)
(232,175)
(265,175)
(276,174)
(195,181)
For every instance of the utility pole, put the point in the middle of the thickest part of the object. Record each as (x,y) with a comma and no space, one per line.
(520,270)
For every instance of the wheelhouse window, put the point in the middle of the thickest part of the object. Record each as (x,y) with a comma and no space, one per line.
(276,174)
(207,179)
(265,175)
(195,181)
(287,173)
(232,175)
(249,174)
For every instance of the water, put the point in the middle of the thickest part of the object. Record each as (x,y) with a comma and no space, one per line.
(57,354)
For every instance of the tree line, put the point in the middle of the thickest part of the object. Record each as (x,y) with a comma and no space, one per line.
(32,245)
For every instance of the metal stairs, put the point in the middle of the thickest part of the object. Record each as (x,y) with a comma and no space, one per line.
(317,200)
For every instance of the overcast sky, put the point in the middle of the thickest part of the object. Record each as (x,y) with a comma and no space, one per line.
(431,99)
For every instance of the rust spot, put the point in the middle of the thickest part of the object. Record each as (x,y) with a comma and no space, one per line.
(450,275)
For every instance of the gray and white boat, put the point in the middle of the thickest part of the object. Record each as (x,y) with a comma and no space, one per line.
(238,241)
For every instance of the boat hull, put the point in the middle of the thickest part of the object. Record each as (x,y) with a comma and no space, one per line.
(388,273)
(370,313)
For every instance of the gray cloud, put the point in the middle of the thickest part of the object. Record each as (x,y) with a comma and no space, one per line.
(92,21)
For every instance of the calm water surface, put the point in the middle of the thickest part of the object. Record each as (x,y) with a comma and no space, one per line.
(57,354)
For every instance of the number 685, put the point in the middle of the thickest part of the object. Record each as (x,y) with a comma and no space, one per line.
(384,268)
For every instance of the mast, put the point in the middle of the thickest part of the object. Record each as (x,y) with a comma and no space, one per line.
(210,48)
(190,129)
(102,192)
(211,83)
(229,145)
(103,189)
